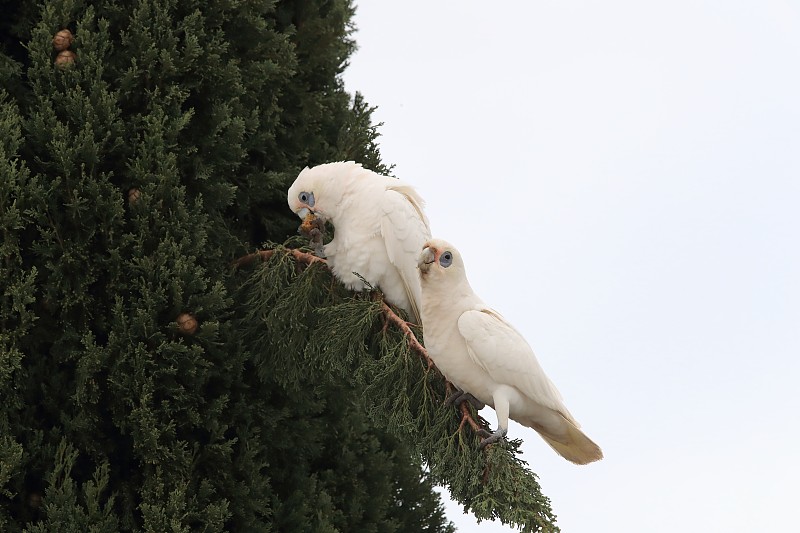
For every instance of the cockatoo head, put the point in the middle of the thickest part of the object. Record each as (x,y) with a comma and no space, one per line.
(319,190)
(440,261)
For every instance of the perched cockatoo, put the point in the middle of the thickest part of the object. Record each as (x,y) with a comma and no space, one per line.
(379,227)
(483,355)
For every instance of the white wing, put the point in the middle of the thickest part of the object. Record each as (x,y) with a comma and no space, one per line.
(405,230)
(499,349)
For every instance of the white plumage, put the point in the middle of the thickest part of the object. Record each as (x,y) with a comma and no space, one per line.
(379,227)
(482,354)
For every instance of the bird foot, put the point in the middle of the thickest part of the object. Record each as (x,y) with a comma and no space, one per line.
(459,397)
(318,248)
(491,438)
(314,228)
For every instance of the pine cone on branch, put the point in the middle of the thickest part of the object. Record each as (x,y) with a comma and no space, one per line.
(187,324)
(63,40)
(65,59)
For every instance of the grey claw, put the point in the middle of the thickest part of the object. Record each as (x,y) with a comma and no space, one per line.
(476,403)
(453,397)
(494,437)
(459,397)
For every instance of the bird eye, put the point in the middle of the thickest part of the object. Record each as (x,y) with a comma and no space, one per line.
(446,259)
(307,198)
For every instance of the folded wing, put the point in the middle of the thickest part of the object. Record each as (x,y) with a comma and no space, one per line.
(499,349)
(405,229)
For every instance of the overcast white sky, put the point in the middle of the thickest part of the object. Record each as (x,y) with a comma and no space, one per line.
(623,180)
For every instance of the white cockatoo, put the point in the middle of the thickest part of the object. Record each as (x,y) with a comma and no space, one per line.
(379,227)
(483,355)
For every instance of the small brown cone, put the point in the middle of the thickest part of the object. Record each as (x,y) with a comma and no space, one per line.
(65,59)
(187,324)
(35,499)
(133,196)
(62,40)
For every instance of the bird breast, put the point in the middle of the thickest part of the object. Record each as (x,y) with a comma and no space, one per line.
(449,352)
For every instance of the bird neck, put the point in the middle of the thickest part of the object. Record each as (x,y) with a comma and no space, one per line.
(449,299)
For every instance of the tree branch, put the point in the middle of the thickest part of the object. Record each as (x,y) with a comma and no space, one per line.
(303,257)
(391,316)
(412,339)
(466,416)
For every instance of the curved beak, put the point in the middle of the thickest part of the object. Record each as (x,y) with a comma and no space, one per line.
(303,212)
(426,259)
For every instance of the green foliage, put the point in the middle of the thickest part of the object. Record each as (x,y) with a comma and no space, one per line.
(129,180)
(358,137)
(17,317)
(334,337)
(70,510)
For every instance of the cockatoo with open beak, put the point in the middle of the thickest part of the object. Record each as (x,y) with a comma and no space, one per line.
(483,355)
(379,227)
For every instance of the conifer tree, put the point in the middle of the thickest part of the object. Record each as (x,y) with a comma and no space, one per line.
(146,383)
(139,154)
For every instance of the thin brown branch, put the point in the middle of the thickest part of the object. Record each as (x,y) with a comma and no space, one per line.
(264,255)
(466,416)
(463,407)
(412,339)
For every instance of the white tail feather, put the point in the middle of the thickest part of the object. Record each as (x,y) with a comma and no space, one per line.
(574,445)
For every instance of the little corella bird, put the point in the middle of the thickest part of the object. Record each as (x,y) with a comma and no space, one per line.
(483,355)
(379,227)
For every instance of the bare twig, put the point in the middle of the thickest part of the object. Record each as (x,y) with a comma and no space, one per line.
(412,339)
(303,257)
(466,416)
(463,407)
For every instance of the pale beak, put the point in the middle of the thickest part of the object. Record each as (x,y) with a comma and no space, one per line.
(426,259)
(303,212)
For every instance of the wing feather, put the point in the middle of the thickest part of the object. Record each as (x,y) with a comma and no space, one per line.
(498,348)
(405,229)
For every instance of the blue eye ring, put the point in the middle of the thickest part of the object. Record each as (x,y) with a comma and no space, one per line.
(446,259)
(307,198)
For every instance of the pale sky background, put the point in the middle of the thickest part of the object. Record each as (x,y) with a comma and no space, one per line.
(623,180)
